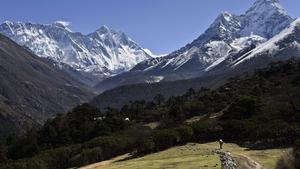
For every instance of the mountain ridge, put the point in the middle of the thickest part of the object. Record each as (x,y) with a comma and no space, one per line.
(226,37)
(92,57)
(32,90)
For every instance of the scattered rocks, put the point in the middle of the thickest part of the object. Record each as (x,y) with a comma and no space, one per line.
(227,160)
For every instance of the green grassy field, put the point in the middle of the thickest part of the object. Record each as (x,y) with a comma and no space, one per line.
(195,156)
(190,156)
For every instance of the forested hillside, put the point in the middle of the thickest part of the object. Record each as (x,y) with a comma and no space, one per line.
(257,111)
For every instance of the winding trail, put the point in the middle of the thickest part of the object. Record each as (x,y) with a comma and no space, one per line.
(245,162)
(236,161)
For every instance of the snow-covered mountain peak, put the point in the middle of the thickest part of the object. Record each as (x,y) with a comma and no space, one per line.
(106,30)
(265,18)
(226,25)
(286,38)
(262,5)
(62,24)
(224,18)
(101,54)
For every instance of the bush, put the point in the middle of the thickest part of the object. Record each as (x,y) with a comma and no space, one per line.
(87,156)
(244,107)
(145,145)
(60,158)
(166,138)
(297,153)
(3,158)
(287,161)
(206,129)
(185,133)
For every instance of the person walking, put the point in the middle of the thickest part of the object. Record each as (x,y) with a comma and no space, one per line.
(221,142)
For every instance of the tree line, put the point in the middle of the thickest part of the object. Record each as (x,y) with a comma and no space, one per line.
(259,110)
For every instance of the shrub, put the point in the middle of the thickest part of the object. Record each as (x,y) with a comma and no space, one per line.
(166,138)
(185,133)
(287,161)
(244,107)
(145,145)
(297,153)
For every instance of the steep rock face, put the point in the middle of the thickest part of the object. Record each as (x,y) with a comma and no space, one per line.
(228,37)
(88,58)
(31,90)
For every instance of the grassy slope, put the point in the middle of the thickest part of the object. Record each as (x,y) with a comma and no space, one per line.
(192,156)
(267,158)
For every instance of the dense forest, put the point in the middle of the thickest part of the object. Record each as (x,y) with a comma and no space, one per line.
(259,110)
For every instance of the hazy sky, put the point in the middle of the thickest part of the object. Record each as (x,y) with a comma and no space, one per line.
(159,25)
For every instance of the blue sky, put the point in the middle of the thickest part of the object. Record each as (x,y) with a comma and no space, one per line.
(159,25)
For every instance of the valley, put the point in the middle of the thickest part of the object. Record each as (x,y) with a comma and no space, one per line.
(99,100)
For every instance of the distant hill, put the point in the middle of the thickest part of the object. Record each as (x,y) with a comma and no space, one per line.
(119,96)
(32,90)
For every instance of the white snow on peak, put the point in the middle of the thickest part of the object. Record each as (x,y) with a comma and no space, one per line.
(262,5)
(63,25)
(242,42)
(227,16)
(265,18)
(152,54)
(105,52)
(215,49)
(237,45)
(270,47)
(183,58)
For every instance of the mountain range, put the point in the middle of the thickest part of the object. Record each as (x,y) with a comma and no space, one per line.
(88,58)
(222,48)
(49,68)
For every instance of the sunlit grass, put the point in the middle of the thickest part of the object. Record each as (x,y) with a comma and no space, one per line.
(197,156)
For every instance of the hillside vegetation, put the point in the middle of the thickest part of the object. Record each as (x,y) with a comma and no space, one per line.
(257,111)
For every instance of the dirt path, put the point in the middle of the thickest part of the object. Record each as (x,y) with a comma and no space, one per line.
(250,163)
(236,161)
(104,164)
(226,158)
(245,162)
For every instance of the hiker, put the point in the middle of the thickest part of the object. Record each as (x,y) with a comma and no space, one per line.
(221,143)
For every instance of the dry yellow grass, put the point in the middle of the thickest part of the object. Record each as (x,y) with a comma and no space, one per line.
(192,156)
